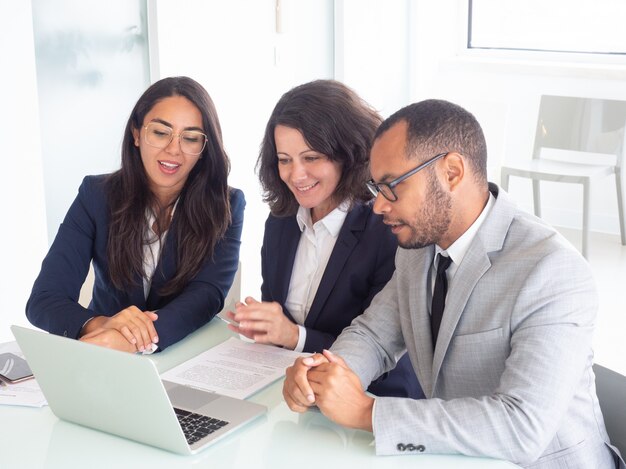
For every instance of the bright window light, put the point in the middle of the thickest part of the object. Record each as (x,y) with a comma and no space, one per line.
(578,26)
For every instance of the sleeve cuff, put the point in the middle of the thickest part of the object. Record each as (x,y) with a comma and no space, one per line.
(83,326)
(374,417)
(301,339)
(149,351)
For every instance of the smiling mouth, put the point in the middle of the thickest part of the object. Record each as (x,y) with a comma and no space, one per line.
(306,188)
(170,166)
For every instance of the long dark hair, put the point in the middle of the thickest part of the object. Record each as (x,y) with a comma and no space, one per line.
(334,121)
(203,211)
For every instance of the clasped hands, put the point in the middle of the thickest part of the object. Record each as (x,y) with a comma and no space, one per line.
(326,380)
(130,330)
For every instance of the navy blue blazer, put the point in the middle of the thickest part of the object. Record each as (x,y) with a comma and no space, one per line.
(360,264)
(82,238)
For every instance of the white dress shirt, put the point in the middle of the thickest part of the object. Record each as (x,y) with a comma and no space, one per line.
(152,247)
(458,249)
(314,249)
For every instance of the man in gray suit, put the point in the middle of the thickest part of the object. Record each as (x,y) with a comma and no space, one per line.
(508,372)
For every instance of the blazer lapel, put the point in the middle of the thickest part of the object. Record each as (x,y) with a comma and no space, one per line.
(165,269)
(421,322)
(136,296)
(347,239)
(474,265)
(282,267)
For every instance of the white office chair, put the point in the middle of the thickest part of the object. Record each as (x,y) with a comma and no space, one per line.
(582,129)
(611,390)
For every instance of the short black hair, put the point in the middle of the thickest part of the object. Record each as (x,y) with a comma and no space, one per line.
(436,126)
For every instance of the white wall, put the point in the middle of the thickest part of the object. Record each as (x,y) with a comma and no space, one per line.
(372,50)
(23,234)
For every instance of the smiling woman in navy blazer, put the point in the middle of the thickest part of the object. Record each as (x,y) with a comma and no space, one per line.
(325,254)
(163,232)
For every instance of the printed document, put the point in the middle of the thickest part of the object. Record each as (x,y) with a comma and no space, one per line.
(234,368)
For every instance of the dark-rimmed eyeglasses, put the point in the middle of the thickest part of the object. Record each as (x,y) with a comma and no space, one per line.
(158,135)
(386,188)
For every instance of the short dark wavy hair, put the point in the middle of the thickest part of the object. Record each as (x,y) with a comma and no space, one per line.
(334,121)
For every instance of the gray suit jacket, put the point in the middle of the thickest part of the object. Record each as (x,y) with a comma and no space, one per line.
(511,377)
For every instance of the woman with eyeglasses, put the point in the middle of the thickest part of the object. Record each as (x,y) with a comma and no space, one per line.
(325,253)
(163,232)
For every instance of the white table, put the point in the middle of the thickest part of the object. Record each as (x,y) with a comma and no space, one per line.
(35,438)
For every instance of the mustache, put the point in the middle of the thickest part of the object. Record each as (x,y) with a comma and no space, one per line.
(388,221)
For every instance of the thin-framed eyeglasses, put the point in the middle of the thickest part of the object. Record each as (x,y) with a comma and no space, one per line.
(158,135)
(386,188)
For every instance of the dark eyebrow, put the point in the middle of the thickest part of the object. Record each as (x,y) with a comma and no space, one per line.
(385,178)
(302,153)
(164,122)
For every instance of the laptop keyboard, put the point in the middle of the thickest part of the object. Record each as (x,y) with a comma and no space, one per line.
(196,426)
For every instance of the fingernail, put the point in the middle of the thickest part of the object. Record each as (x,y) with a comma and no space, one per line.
(310,398)
(141,348)
(308,361)
(155,339)
(133,341)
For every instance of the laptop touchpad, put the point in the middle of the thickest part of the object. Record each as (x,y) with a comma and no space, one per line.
(190,398)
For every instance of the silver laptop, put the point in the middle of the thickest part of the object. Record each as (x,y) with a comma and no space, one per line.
(122,394)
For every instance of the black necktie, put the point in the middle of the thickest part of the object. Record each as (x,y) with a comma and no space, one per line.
(439,296)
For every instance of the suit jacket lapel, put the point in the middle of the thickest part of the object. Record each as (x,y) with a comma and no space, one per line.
(165,269)
(472,268)
(136,296)
(282,267)
(418,299)
(348,237)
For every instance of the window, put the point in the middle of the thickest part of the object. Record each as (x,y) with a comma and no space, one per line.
(573,26)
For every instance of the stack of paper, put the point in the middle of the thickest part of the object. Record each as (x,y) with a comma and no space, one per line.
(26,393)
(234,368)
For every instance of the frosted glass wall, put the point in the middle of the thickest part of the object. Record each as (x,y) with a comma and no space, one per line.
(92,65)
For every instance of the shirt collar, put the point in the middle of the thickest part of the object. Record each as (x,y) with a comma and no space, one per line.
(332,222)
(457,250)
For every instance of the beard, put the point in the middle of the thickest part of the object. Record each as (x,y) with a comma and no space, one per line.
(432,219)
